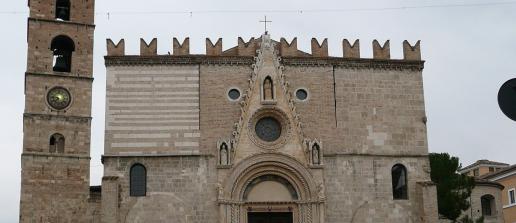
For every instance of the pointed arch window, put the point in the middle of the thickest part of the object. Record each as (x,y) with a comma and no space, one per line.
(268,89)
(138,180)
(63,10)
(62,48)
(57,143)
(399,182)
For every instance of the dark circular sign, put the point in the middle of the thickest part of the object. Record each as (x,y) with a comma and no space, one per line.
(268,129)
(234,94)
(59,98)
(507,99)
(301,94)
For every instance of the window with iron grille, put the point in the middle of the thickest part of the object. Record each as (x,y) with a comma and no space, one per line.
(487,204)
(138,180)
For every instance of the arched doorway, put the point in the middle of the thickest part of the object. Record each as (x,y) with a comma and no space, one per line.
(270,188)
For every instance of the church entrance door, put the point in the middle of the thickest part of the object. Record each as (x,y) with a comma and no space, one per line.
(270,217)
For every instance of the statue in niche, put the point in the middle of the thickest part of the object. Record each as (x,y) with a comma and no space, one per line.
(220,191)
(316,158)
(267,89)
(224,154)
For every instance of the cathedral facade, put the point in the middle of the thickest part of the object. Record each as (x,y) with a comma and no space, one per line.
(261,132)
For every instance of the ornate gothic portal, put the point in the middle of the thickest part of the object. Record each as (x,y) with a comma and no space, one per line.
(271,186)
(274,174)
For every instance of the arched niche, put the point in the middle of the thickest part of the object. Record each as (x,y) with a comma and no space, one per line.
(270,188)
(281,166)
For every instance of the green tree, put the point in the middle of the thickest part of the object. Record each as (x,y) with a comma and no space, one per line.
(453,189)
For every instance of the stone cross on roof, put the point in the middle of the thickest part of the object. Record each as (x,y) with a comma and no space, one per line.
(265,21)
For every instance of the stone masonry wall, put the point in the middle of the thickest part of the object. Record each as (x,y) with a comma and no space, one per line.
(179,189)
(380,111)
(152,109)
(318,111)
(364,111)
(218,112)
(359,189)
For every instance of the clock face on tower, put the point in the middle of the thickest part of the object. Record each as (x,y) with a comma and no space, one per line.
(59,98)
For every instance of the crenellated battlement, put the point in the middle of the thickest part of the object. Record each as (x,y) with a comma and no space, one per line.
(181,49)
(148,49)
(382,52)
(283,47)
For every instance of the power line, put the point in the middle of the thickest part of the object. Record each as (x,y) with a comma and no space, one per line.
(285,11)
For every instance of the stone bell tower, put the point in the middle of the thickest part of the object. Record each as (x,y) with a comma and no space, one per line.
(57,118)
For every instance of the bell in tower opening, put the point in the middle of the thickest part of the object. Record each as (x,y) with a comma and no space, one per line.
(62,48)
(63,10)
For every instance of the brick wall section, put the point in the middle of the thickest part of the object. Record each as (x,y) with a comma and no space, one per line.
(152,110)
(81,11)
(38,130)
(54,189)
(94,207)
(37,87)
(218,113)
(358,186)
(40,56)
(181,189)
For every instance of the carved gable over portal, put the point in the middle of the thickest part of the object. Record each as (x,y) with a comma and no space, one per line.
(269,150)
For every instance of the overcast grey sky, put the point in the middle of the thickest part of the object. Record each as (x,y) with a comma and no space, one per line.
(470,52)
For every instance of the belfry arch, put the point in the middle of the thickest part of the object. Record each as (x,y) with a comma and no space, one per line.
(297,191)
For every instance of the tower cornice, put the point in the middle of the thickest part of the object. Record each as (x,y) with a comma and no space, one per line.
(88,78)
(60,116)
(60,22)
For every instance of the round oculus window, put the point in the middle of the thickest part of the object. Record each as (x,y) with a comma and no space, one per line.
(302,94)
(234,94)
(268,129)
(59,98)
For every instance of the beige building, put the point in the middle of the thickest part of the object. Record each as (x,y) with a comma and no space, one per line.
(486,201)
(482,167)
(494,195)
(261,132)
(507,178)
